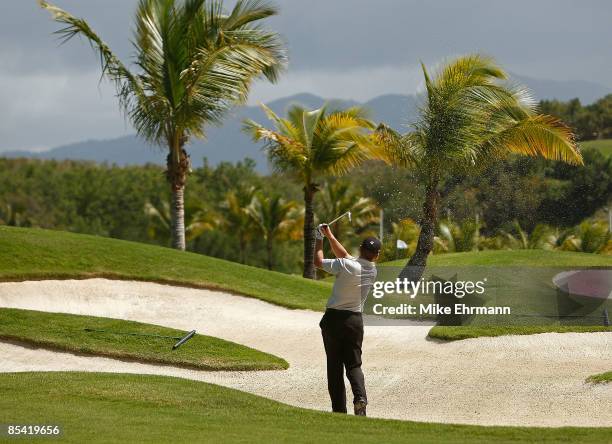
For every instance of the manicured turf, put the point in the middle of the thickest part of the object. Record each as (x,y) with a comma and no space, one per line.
(133,408)
(536,258)
(513,270)
(602,378)
(604,146)
(454,333)
(67,332)
(44,254)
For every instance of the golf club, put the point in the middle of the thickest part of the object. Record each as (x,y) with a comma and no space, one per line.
(181,339)
(347,214)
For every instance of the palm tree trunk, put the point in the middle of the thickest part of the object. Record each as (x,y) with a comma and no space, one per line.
(413,271)
(178,218)
(309,238)
(178,166)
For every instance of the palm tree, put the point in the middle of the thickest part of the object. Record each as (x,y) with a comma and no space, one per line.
(236,218)
(310,144)
(589,237)
(469,119)
(274,219)
(454,237)
(194,62)
(338,198)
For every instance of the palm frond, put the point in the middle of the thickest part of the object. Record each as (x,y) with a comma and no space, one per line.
(248,11)
(543,136)
(129,87)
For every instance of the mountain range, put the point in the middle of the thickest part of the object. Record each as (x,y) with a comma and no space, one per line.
(229,143)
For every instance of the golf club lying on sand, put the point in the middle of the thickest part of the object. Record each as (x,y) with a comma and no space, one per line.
(181,339)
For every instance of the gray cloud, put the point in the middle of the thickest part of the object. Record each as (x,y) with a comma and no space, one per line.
(49,95)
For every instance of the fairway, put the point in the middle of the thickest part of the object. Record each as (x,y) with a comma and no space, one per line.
(134,408)
(534,258)
(66,332)
(603,146)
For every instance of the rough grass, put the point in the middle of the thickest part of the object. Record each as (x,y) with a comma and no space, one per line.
(455,333)
(66,332)
(27,254)
(602,378)
(94,407)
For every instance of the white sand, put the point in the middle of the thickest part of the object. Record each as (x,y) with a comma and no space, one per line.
(533,380)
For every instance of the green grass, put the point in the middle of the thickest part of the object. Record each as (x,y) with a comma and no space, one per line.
(27,254)
(602,378)
(604,146)
(455,333)
(66,332)
(522,280)
(536,258)
(122,408)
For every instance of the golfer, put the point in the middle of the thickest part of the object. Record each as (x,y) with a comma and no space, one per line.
(342,323)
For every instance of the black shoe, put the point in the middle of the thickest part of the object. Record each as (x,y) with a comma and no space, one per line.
(360,408)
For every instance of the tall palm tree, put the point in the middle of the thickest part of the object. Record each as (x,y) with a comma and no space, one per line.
(274,218)
(193,63)
(338,198)
(236,218)
(470,117)
(310,144)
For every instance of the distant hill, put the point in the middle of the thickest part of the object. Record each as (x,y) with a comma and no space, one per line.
(226,143)
(587,92)
(229,143)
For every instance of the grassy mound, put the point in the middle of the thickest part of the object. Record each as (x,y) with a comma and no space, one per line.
(94,407)
(602,378)
(456,333)
(66,332)
(44,254)
(535,258)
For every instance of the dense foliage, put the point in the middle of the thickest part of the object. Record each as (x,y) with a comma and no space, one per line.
(589,122)
(111,201)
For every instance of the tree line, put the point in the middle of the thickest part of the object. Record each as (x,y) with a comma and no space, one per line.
(589,122)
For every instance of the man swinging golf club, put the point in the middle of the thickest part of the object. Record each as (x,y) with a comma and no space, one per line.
(342,323)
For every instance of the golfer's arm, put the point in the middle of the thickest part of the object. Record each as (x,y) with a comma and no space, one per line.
(318,256)
(337,247)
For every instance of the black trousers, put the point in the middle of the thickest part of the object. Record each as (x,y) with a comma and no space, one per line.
(342,337)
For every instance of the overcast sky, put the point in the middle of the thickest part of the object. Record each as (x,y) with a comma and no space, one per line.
(357,49)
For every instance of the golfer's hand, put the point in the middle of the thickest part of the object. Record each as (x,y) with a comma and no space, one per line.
(318,233)
(326,230)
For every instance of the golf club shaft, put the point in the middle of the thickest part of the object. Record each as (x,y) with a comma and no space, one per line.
(184,339)
(338,218)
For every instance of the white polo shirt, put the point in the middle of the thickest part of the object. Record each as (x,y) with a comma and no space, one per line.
(354,279)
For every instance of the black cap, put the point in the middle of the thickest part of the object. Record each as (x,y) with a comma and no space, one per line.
(371,244)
